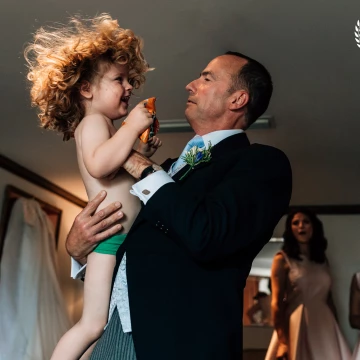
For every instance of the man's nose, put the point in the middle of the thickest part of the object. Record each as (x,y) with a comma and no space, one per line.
(190,87)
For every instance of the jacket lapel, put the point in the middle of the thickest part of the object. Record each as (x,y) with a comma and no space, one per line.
(223,148)
(167,163)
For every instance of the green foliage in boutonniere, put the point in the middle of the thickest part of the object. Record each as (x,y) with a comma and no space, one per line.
(196,156)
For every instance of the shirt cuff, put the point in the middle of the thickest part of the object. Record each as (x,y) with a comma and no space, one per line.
(146,188)
(77,270)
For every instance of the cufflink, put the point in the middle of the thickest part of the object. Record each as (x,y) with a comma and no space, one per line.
(146,192)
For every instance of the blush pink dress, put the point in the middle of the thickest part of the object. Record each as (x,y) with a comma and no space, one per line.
(313,331)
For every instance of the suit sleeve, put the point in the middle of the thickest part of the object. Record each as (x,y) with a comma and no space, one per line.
(245,205)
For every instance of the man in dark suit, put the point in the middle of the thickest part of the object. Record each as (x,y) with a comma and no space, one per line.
(190,250)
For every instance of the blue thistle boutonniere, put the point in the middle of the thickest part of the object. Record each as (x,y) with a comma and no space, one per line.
(196,156)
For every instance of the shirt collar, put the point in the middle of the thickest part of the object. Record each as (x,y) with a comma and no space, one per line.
(216,136)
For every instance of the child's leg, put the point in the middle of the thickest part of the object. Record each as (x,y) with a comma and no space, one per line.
(89,351)
(97,288)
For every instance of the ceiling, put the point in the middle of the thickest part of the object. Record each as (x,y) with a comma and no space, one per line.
(308,47)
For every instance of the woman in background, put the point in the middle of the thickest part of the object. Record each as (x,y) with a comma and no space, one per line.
(303,311)
(354,314)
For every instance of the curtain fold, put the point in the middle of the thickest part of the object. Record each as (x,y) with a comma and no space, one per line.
(33,314)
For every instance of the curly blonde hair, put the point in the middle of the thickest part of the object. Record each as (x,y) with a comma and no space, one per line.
(61,59)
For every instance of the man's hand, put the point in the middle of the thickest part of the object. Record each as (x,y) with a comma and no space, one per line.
(89,228)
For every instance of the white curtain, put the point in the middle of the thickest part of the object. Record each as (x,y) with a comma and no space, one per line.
(33,316)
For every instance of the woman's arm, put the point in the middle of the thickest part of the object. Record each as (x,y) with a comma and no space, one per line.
(354,313)
(279,274)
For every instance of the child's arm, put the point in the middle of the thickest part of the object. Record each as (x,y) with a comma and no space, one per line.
(103,154)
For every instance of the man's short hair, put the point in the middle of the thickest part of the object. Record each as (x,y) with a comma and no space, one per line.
(256,80)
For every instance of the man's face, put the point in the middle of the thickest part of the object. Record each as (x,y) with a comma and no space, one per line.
(208,95)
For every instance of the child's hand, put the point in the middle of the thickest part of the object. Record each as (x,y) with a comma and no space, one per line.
(139,118)
(150,147)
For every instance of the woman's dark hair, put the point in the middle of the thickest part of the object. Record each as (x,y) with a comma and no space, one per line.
(317,243)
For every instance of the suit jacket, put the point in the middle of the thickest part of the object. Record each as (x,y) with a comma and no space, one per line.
(190,251)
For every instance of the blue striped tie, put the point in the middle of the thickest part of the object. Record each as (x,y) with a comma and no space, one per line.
(180,163)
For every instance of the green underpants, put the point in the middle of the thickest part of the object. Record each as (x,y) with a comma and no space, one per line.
(110,245)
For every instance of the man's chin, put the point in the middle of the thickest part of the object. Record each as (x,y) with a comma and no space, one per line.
(189,114)
(188,117)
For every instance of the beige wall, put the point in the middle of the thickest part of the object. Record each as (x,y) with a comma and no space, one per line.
(72,289)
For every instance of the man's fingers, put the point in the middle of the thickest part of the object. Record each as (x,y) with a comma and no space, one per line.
(102,215)
(107,233)
(92,205)
(107,222)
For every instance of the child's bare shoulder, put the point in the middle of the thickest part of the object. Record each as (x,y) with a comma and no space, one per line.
(94,118)
(93,123)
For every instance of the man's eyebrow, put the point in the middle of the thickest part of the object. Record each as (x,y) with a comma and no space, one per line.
(208,73)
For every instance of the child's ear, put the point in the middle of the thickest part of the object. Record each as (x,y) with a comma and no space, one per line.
(85,90)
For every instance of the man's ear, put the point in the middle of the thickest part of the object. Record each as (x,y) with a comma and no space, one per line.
(238,99)
(85,90)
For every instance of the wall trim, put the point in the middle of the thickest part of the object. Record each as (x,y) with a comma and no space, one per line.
(38,180)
